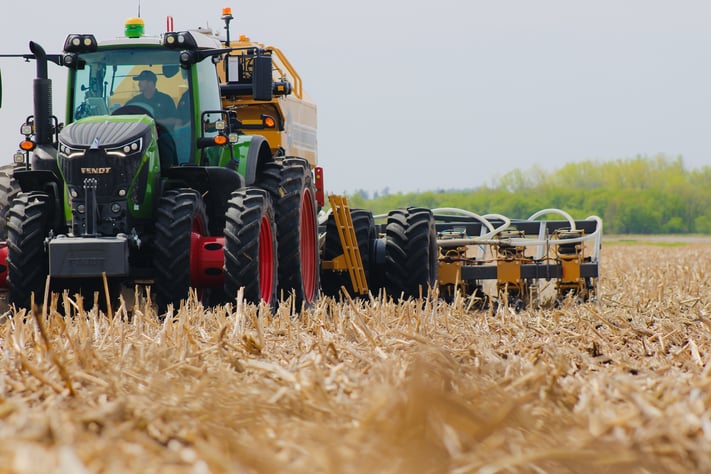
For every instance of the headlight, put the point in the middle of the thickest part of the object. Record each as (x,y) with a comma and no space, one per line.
(26,129)
(129,148)
(19,157)
(68,151)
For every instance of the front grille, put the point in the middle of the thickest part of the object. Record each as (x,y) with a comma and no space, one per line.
(112,162)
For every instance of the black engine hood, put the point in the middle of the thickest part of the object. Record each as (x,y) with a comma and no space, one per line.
(102,134)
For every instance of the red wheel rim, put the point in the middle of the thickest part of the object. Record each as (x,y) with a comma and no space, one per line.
(266,260)
(308,245)
(197,234)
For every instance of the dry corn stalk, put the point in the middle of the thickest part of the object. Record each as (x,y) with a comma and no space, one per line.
(620,385)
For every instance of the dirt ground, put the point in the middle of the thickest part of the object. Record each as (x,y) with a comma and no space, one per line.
(618,385)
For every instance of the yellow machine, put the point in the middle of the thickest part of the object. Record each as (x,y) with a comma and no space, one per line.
(523,258)
(288,120)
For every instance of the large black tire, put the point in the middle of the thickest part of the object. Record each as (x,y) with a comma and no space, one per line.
(364,226)
(290,184)
(411,253)
(251,247)
(28,264)
(180,212)
(9,189)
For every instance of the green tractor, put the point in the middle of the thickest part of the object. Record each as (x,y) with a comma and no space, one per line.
(152,180)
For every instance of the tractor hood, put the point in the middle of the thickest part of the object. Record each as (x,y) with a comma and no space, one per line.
(122,136)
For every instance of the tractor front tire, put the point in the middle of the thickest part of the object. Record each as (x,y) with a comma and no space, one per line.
(28,264)
(251,247)
(180,213)
(411,253)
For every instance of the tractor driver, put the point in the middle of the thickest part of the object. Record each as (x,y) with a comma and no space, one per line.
(164,113)
(161,103)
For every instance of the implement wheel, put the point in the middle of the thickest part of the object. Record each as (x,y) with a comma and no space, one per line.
(28,265)
(364,226)
(180,213)
(291,187)
(411,253)
(250,247)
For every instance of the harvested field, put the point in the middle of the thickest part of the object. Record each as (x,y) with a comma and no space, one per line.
(619,385)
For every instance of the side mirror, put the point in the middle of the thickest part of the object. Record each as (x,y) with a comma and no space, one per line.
(262,77)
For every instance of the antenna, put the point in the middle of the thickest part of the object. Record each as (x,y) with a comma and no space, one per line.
(139,8)
(227,18)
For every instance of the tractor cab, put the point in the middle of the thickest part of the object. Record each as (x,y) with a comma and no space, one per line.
(140,76)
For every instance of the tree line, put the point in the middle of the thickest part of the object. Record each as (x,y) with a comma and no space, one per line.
(639,195)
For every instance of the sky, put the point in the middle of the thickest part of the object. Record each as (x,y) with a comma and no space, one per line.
(417,95)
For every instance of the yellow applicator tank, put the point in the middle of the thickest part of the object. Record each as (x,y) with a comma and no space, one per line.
(288,121)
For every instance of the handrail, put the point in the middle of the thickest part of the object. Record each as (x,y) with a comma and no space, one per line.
(298,91)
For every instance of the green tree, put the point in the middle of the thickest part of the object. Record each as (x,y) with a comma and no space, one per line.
(636,195)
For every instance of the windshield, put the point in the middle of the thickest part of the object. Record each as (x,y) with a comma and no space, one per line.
(152,79)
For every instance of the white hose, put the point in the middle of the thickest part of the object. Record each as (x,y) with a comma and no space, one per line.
(504,226)
(564,214)
(488,238)
(454,210)
(520,242)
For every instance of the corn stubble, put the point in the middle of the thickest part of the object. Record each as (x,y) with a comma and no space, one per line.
(618,385)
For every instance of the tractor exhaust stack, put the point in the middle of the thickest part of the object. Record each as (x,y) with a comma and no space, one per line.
(42,88)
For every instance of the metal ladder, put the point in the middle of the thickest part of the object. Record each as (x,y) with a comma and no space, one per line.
(350,259)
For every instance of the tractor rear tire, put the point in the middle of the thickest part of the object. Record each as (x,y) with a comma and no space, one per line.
(9,189)
(251,247)
(364,226)
(411,253)
(294,199)
(180,213)
(28,264)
